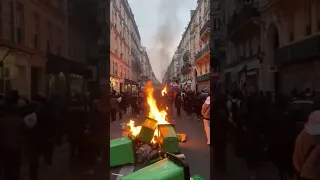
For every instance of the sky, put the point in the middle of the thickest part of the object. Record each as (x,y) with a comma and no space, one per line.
(161,24)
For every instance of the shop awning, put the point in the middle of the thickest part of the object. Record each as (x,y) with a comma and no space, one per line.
(128,81)
(57,64)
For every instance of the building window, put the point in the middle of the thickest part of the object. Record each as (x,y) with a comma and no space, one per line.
(111,67)
(116,69)
(20,24)
(36,30)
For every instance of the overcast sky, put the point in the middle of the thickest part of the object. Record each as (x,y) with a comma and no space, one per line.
(161,24)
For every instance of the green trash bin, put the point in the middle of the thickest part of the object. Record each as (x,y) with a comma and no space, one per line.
(121,151)
(147,130)
(170,168)
(196,177)
(168,139)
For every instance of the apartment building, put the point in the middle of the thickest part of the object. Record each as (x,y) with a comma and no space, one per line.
(30,30)
(193,53)
(200,29)
(280,51)
(120,62)
(135,55)
(184,61)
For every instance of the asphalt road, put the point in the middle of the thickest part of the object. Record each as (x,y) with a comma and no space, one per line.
(195,149)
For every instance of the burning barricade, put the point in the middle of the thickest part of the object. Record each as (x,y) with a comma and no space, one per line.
(148,142)
(155,142)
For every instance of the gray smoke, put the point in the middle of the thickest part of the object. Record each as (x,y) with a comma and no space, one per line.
(165,37)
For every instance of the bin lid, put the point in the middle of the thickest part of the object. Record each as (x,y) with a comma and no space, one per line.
(167,130)
(120,141)
(150,123)
(164,169)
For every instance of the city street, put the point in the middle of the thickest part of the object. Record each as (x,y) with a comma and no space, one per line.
(195,148)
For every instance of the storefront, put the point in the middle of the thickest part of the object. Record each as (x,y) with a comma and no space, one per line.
(24,70)
(130,86)
(203,85)
(65,76)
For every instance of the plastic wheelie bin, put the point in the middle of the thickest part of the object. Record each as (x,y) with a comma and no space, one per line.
(147,130)
(170,168)
(168,139)
(121,151)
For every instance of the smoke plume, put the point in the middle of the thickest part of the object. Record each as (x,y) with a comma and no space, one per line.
(165,39)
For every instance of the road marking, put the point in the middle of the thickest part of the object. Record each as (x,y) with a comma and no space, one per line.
(125,170)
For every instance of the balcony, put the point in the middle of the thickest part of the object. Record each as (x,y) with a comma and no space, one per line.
(203,54)
(186,56)
(243,22)
(305,49)
(205,30)
(203,77)
(186,67)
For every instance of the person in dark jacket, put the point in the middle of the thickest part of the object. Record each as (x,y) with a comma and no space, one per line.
(114,106)
(41,136)
(219,132)
(13,130)
(76,126)
(178,104)
(189,104)
(198,105)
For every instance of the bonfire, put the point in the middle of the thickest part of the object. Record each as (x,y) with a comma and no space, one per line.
(154,113)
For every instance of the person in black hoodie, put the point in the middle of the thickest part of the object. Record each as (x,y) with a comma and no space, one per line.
(41,140)
(178,104)
(76,126)
(12,132)
(198,105)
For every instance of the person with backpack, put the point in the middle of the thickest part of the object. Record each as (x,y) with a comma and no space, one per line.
(306,157)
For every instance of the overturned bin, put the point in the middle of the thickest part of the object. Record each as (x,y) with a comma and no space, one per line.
(168,139)
(170,168)
(147,130)
(121,151)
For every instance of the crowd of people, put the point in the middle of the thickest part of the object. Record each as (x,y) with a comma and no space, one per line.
(30,131)
(261,127)
(268,127)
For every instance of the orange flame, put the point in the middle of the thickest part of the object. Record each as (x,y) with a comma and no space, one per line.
(164,91)
(134,130)
(154,113)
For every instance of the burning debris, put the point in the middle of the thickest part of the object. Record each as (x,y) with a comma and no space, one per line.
(150,141)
